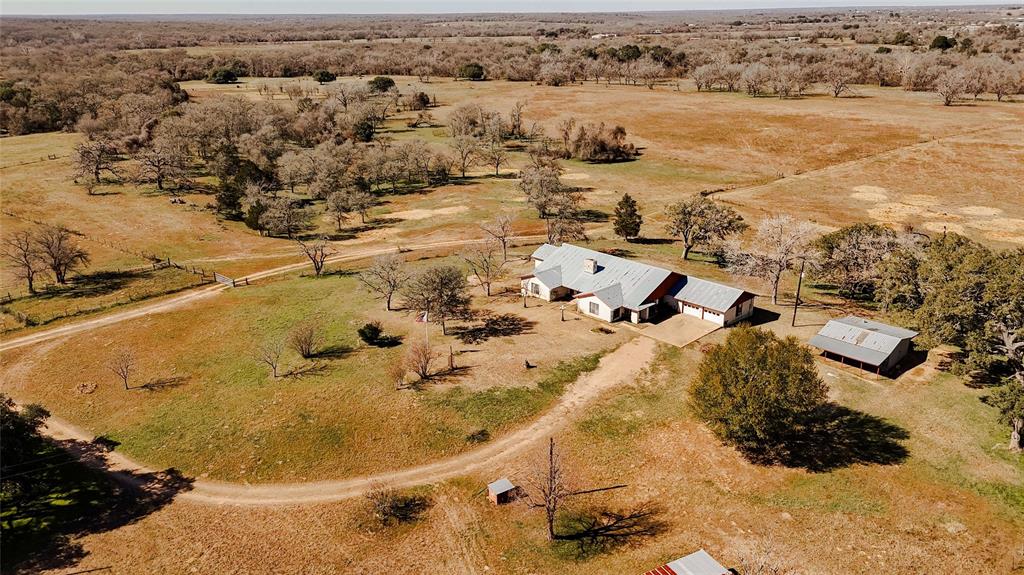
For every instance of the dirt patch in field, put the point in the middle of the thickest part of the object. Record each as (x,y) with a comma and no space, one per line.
(980,211)
(422,214)
(870,194)
(576,176)
(940,226)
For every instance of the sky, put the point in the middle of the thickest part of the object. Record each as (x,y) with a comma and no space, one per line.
(16,7)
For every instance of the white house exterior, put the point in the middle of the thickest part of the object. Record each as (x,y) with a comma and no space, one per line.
(612,288)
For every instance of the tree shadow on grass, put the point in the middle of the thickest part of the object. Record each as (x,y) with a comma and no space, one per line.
(501,325)
(835,436)
(69,499)
(588,533)
(333,352)
(94,284)
(305,370)
(164,383)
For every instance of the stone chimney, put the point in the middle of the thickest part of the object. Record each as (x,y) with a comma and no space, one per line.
(590,265)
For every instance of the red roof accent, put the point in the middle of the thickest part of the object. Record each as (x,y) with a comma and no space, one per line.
(663,570)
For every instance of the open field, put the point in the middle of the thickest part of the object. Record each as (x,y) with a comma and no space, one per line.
(947,495)
(912,475)
(205,405)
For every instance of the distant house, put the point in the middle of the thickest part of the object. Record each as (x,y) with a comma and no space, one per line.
(501,491)
(613,288)
(698,563)
(869,344)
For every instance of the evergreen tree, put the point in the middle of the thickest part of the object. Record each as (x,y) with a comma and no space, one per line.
(627,218)
(755,390)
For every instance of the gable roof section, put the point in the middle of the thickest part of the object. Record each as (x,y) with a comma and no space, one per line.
(543,252)
(611,295)
(636,281)
(551,277)
(707,294)
(697,563)
(861,339)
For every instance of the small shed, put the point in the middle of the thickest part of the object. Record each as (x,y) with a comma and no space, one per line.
(869,344)
(501,491)
(696,563)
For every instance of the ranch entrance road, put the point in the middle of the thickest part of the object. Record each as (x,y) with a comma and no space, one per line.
(618,368)
(186,298)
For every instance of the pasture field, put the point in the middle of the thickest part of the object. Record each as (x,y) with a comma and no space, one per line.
(204,404)
(934,484)
(912,472)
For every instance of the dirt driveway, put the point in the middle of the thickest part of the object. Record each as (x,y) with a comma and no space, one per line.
(679,330)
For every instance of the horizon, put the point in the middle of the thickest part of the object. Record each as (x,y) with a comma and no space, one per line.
(108,8)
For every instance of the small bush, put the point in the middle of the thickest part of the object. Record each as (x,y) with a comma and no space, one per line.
(371,332)
(472,71)
(391,507)
(381,84)
(479,436)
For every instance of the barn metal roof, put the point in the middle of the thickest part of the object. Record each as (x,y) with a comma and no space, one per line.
(861,339)
(636,281)
(697,563)
(706,294)
(500,486)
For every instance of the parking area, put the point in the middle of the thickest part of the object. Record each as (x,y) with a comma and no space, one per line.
(679,330)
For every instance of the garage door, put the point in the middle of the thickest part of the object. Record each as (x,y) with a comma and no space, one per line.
(692,310)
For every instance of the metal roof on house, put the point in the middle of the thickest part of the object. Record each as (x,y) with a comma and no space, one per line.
(500,486)
(861,339)
(636,281)
(611,296)
(543,252)
(551,277)
(706,294)
(697,563)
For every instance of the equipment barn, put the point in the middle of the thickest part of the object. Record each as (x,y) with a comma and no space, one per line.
(870,344)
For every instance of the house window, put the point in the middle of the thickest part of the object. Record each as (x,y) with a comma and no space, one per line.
(534,288)
(594,308)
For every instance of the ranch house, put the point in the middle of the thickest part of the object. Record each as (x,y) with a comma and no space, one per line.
(613,288)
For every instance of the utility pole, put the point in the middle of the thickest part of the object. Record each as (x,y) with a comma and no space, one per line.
(799,284)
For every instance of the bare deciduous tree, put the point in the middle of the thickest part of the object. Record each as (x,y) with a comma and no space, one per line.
(778,242)
(485,261)
(269,354)
(501,230)
(385,277)
(440,292)
(547,488)
(317,251)
(123,365)
(163,159)
(94,157)
(950,86)
(306,338)
(22,252)
(420,358)
(493,152)
(699,220)
(339,208)
(466,150)
(60,252)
